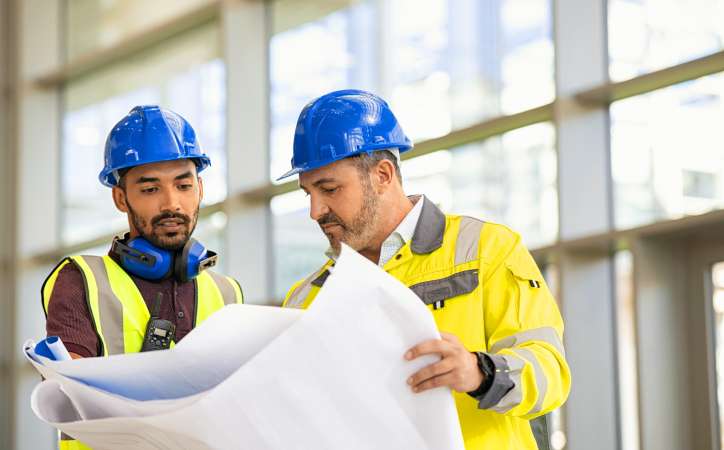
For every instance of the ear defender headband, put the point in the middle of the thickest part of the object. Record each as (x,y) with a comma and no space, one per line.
(143,259)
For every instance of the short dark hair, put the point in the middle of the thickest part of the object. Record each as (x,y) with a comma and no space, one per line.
(122,177)
(364,162)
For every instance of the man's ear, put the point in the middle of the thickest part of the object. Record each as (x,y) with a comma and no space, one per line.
(201,189)
(119,198)
(384,173)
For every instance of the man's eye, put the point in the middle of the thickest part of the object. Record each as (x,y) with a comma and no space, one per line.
(185,187)
(330,191)
(149,190)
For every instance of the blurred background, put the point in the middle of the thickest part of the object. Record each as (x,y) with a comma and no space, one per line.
(595,128)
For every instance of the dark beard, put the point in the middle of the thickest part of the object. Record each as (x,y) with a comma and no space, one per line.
(163,241)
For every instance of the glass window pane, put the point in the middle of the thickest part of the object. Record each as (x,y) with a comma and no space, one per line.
(184,75)
(647,35)
(299,74)
(210,232)
(299,244)
(458,62)
(510,179)
(449,65)
(94,24)
(666,150)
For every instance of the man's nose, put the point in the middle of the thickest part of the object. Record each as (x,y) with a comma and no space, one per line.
(317,207)
(171,201)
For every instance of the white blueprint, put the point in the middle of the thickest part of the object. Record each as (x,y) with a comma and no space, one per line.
(255,377)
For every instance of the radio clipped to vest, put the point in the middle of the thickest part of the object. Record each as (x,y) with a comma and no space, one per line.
(143,259)
(159,332)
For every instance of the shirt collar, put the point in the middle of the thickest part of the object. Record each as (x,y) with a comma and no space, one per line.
(406,228)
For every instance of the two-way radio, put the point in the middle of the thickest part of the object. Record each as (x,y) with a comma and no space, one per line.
(159,332)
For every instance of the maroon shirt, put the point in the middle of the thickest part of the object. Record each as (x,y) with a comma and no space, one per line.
(70,319)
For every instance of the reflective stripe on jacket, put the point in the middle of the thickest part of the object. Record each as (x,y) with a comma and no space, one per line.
(118,312)
(481,284)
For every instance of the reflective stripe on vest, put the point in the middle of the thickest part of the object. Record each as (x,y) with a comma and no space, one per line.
(118,309)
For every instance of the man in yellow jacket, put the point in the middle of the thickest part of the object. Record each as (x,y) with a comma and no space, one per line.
(501,348)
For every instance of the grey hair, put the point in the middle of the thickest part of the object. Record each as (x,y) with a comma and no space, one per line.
(364,162)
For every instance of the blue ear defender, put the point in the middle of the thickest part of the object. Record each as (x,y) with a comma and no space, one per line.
(141,258)
(192,259)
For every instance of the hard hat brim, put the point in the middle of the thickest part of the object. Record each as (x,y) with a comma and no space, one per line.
(368,149)
(107,178)
(290,173)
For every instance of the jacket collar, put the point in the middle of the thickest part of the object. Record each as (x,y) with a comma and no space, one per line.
(429,230)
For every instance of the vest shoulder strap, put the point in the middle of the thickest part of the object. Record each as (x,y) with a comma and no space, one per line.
(46,290)
(117,307)
(213,292)
(229,288)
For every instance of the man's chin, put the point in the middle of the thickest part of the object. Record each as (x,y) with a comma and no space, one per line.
(170,242)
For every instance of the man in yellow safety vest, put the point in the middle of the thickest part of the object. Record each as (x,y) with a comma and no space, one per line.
(153,287)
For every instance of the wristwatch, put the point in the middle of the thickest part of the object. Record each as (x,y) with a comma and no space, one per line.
(487,368)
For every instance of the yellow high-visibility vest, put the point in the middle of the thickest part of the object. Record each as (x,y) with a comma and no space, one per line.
(481,284)
(119,313)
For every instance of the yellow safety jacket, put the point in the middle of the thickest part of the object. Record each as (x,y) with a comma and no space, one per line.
(119,313)
(481,284)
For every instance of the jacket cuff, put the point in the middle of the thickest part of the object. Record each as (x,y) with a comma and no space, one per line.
(501,384)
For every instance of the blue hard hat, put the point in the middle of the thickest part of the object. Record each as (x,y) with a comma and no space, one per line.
(342,124)
(149,134)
